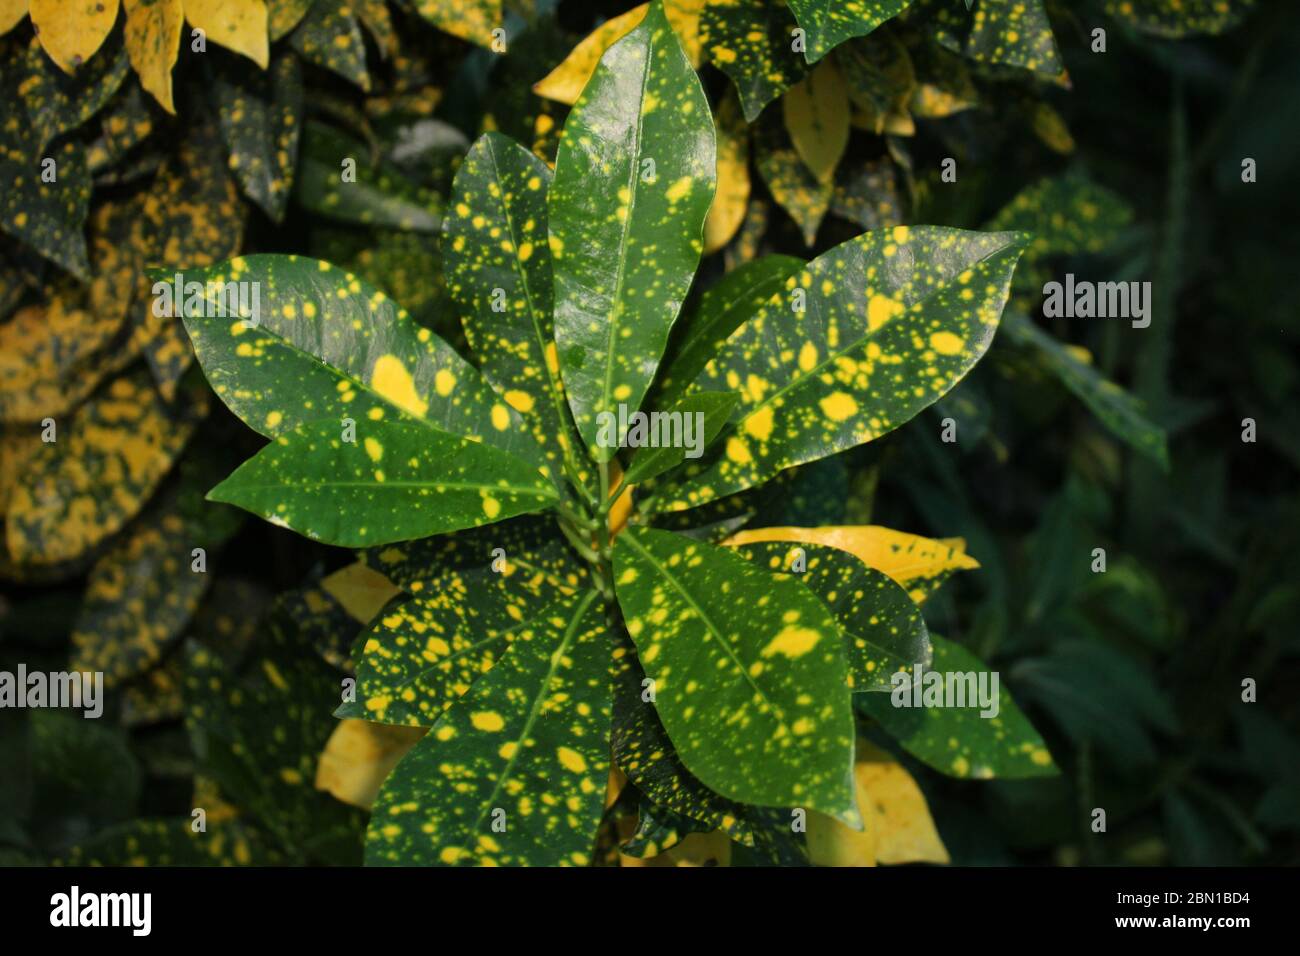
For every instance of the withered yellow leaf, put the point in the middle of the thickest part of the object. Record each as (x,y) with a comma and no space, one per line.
(359,756)
(72,30)
(239,25)
(918,564)
(898,826)
(816,113)
(361,591)
(153,36)
(11,14)
(732,197)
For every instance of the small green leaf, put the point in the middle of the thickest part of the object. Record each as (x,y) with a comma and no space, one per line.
(957,741)
(394,482)
(788,178)
(47,193)
(515,771)
(634,179)
(830,22)
(330,36)
(748,669)
(752,42)
(1013,34)
(712,409)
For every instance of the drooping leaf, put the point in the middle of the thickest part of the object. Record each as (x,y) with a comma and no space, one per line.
(329,346)
(106,463)
(883,629)
(330,37)
(1180,18)
(57,102)
(498,265)
(732,198)
(46,197)
(958,741)
(71,33)
(283,15)
(1014,34)
(919,564)
(748,669)
(788,178)
(261,116)
(892,320)
(472,20)
(634,179)
(658,829)
(527,747)
(359,756)
(751,41)
(868,196)
(880,78)
(816,111)
(395,481)
(238,25)
(153,36)
(828,23)
(704,413)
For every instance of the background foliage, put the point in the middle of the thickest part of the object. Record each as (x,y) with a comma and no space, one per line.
(1125,164)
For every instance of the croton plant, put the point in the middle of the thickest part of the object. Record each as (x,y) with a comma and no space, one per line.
(581,605)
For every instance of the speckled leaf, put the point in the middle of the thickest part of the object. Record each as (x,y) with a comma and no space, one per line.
(163,842)
(732,198)
(397,481)
(1180,18)
(238,25)
(472,20)
(126,122)
(750,41)
(957,741)
(1013,34)
(496,250)
(789,180)
(527,746)
(56,102)
(658,828)
(919,564)
(380,196)
(868,195)
(47,216)
(816,111)
(72,30)
(722,310)
(625,238)
(749,671)
(283,15)
(330,346)
(330,36)
(109,458)
(829,23)
(883,630)
(893,320)
(648,461)
(880,78)
(153,36)
(261,116)
(1122,413)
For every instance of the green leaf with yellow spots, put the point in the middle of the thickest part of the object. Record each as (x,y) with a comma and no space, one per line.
(498,266)
(1180,18)
(109,457)
(634,180)
(958,741)
(261,116)
(677,434)
(883,630)
(337,179)
(752,42)
(326,345)
(721,310)
(749,672)
(58,102)
(422,655)
(788,178)
(1012,34)
(386,481)
(472,20)
(515,771)
(330,36)
(1121,412)
(890,321)
(173,842)
(47,193)
(283,15)
(828,23)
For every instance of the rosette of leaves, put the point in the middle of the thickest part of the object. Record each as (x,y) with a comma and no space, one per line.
(552,633)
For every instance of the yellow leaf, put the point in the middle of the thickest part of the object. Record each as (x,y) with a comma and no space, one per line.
(899,828)
(696,849)
(360,590)
(816,111)
(359,756)
(153,36)
(72,30)
(918,564)
(1051,129)
(472,20)
(238,25)
(564,83)
(684,16)
(11,14)
(732,198)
